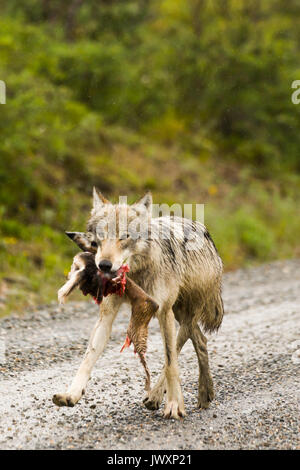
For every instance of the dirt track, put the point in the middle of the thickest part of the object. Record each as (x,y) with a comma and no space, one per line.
(255,361)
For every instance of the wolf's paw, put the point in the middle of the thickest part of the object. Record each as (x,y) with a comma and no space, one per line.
(154,398)
(66,399)
(205,396)
(151,404)
(174,410)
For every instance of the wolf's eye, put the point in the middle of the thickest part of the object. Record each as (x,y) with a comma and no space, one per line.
(124,236)
(94,244)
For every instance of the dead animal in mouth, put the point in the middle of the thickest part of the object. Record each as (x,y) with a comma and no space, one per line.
(85,275)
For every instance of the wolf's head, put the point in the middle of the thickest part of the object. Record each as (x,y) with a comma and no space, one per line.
(116,233)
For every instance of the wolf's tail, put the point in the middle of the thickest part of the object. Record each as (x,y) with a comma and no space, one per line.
(212,313)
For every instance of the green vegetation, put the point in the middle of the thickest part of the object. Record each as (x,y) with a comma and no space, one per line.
(189,99)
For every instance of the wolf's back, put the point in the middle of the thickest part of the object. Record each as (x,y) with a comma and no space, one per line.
(190,255)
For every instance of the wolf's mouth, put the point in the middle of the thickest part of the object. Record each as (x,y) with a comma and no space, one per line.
(112,275)
(114,282)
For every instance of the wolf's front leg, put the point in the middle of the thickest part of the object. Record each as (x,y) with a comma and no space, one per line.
(174,404)
(97,342)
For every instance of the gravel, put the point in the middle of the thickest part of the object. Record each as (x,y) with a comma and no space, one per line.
(254,362)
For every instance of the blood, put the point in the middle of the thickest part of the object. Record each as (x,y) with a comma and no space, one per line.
(126,344)
(116,285)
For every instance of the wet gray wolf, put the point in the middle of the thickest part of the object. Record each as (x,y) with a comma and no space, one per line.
(175,261)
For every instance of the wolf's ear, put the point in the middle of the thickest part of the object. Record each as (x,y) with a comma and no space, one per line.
(98,199)
(146,201)
(82,240)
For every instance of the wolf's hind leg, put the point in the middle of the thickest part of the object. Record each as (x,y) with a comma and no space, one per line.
(97,342)
(205,387)
(155,397)
(174,400)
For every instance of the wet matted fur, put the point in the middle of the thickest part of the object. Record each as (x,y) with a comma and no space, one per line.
(186,284)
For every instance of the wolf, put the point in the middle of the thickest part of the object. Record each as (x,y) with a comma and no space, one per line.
(175,261)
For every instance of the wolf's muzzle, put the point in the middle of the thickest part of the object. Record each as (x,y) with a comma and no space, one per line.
(105,266)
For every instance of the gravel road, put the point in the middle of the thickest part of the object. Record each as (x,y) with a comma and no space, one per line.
(255,360)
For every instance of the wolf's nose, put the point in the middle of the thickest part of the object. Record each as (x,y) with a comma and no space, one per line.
(105,265)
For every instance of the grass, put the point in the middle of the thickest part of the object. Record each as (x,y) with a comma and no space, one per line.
(251,220)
